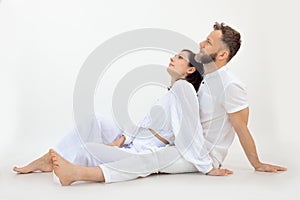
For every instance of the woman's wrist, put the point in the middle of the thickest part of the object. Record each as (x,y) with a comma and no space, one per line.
(121,140)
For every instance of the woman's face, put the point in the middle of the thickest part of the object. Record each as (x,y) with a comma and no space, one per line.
(179,65)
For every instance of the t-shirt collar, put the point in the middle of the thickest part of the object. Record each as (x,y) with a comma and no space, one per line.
(215,73)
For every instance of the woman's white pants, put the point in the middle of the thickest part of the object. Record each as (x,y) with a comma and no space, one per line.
(86,145)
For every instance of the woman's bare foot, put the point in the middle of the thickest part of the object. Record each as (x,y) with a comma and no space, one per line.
(43,164)
(69,173)
(63,169)
(220,172)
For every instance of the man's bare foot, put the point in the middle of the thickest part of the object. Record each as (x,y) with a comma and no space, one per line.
(43,164)
(63,169)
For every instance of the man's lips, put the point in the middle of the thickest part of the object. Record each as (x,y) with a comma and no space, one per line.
(202,51)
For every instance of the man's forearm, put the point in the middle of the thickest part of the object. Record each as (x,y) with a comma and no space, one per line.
(239,122)
(248,144)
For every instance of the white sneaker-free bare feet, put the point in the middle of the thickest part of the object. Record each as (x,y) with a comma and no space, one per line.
(63,169)
(43,164)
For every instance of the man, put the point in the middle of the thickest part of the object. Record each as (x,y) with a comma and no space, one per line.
(215,52)
(223,111)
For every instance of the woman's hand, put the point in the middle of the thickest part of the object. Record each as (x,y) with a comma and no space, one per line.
(117,142)
(219,172)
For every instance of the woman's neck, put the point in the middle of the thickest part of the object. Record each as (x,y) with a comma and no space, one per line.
(174,79)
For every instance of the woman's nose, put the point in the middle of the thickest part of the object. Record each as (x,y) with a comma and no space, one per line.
(202,44)
(172,59)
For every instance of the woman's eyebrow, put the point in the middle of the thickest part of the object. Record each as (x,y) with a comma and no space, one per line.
(183,56)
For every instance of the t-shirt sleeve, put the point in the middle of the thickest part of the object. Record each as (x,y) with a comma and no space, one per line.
(235,98)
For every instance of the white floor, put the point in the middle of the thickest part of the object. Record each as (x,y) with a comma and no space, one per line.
(244,184)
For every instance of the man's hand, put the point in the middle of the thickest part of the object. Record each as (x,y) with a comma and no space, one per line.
(263,167)
(219,172)
(239,122)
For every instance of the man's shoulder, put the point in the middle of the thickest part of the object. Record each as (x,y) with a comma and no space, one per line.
(229,78)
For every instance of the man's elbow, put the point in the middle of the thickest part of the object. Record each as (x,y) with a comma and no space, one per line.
(239,120)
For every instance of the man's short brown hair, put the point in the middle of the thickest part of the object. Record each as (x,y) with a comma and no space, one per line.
(230,37)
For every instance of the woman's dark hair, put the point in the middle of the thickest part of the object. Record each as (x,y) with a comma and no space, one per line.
(195,78)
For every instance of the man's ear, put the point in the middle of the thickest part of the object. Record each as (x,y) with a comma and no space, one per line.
(223,54)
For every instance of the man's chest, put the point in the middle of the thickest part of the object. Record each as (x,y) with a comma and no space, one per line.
(210,102)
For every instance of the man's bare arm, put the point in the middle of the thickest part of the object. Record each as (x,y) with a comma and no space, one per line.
(239,121)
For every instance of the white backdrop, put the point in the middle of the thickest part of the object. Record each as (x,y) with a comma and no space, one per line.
(44,43)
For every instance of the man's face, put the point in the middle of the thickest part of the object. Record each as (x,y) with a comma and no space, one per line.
(210,47)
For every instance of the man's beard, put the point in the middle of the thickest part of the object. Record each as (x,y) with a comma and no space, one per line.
(205,59)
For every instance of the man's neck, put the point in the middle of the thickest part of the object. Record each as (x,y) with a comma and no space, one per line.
(212,67)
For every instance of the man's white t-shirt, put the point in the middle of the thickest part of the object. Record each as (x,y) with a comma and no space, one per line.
(220,93)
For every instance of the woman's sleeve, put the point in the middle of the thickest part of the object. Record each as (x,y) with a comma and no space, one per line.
(185,120)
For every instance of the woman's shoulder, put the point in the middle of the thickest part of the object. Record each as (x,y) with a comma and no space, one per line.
(182,84)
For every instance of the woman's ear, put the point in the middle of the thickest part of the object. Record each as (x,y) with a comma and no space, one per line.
(191,70)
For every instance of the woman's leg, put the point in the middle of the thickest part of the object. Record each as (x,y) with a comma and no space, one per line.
(98,130)
(86,167)
(43,164)
(69,173)
(67,146)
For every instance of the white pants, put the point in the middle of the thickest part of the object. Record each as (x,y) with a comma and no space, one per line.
(99,130)
(85,146)
(164,160)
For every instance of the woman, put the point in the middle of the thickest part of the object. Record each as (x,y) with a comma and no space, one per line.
(84,154)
